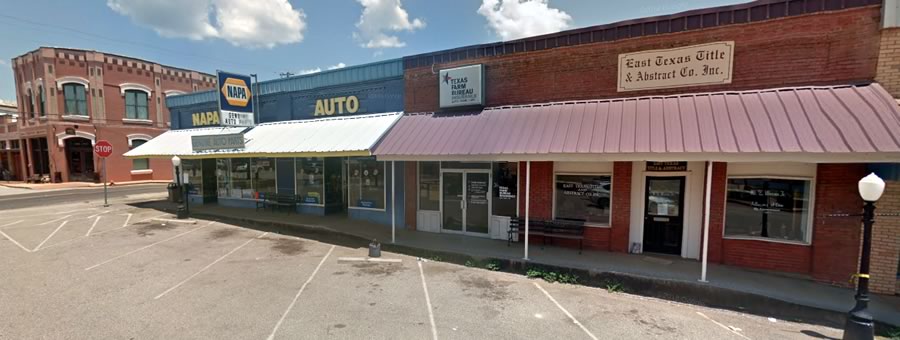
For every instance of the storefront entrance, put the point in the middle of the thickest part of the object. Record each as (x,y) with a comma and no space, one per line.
(80,159)
(465,201)
(664,215)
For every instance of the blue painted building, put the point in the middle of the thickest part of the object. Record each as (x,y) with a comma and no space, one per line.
(345,111)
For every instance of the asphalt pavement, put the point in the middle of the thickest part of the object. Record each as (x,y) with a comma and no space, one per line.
(13,198)
(85,271)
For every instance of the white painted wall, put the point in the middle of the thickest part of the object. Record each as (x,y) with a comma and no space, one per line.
(693,205)
(891,15)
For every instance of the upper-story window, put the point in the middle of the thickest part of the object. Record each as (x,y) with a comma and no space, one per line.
(136,103)
(76,100)
(30,103)
(41,102)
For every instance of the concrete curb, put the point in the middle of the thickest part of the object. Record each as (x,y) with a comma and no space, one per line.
(672,290)
(51,186)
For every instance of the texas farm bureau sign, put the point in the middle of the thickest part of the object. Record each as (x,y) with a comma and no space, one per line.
(696,65)
(461,86)
(235,99)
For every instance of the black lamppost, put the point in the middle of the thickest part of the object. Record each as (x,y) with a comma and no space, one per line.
(859,323)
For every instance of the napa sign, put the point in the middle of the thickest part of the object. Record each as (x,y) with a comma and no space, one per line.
(235,99)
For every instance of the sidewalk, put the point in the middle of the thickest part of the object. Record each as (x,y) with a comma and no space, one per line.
(727,287)
(70,185)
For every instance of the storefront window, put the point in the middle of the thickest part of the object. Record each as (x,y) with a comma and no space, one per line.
(505,188)
(429,186)
(583,198)
(241,184)
(263,175)
(223,177)
(193,170)
(768,208)
(310,180)
(366,183)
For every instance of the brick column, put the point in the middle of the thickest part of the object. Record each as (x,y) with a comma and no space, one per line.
(717,210)
(621,207)
(541,205)
(836,240)
(886,242)
(411,193)
(888,71)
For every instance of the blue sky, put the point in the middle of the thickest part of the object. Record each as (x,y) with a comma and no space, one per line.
(293,35)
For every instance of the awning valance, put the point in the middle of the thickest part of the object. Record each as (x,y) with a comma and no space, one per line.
(176,142)
(324,137)
(816,124)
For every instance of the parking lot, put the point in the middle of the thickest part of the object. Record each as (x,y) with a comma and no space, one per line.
(83,271)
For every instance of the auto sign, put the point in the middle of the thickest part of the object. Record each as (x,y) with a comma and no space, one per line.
(235,99)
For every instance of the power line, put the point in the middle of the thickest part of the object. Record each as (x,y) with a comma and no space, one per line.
(133,43)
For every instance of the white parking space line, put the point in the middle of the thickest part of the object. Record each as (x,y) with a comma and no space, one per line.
(428,302)
(99,213)
(127,219)
(125,225)
(169,220)
(51,235)
(12,223)
(56,220)
(723,326)
(95,234)
(88,233)
(586,331)
(147,246)
(14,241)
(208,266)
(296,297)
(368,259)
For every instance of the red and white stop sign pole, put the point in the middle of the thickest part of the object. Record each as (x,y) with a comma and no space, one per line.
(103,149)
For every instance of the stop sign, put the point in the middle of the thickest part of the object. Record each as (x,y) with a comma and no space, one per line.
(103,148)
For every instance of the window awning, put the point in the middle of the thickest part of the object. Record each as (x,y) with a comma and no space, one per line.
(176,142)
(324,137)
(849,123)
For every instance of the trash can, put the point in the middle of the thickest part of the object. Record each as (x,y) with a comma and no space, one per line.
(174,192)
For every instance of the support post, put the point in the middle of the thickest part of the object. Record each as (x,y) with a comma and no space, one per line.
(527,199)
(393,202)
(708,194)
(105,179)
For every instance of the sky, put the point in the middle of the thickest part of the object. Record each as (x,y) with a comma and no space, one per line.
(271,37)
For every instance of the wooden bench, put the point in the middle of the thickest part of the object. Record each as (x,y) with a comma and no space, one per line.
(548,230)
(277,200)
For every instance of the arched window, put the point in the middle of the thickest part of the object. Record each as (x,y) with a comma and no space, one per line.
(76,100)
(136,103)
(139,163)
(41,102)
(30,103)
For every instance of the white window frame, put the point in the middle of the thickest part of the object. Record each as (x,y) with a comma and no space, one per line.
(297,186)
(384,192)
(612,191)
(136,87)
(810,218)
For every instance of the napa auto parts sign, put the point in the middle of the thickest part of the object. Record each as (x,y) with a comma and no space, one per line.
(461,86)
(235,99)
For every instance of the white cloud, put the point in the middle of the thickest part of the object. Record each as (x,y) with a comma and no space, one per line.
(319,69)
(380,19)
(3,62)
(253,24)
(514,19)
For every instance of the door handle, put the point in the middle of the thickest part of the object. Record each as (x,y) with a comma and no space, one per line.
(462,204)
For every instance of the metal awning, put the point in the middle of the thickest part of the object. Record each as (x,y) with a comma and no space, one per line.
(848,123)
(323,137)
(176,142)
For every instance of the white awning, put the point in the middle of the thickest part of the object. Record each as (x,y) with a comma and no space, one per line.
(176,142)
(323,137)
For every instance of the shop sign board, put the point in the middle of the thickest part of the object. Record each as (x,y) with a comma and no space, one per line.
(235,99)
(667,166)
(229,141)
(461,86)
(696,65)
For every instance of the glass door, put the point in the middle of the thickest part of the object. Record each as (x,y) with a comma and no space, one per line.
(452,201)
(663,218)
(477,204)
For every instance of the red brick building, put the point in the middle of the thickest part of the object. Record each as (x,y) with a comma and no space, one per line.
(9,142)
(797,118)
(68,99)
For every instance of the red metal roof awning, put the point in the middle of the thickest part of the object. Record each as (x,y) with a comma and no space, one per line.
(816,124)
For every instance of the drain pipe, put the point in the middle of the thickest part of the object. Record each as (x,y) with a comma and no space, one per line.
(527,199)
(709,166)
(393,202)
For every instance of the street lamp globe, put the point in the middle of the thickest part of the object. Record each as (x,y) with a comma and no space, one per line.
(176,161)
(871,187)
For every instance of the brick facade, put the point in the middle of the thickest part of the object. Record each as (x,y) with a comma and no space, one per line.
(717,211)
(106,77)
(837,47)
(886,242)
(621,207)
(836,240)
(888,73)
(411,185)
